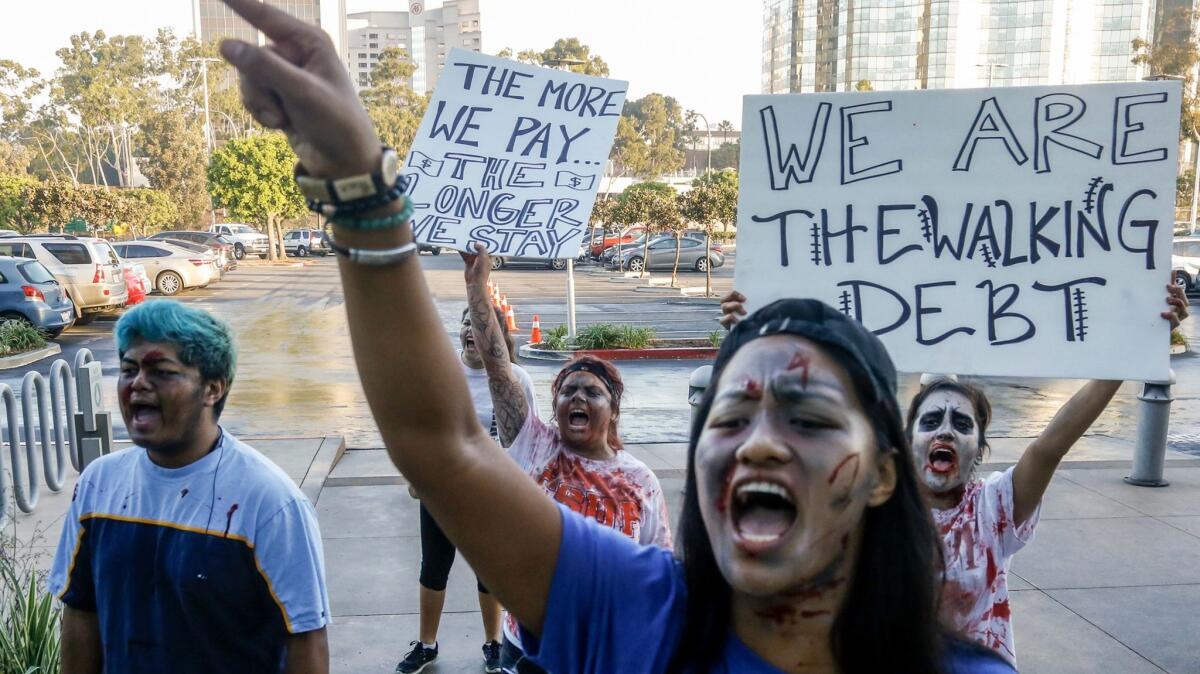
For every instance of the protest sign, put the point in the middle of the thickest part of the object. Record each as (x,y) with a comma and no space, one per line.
(1021,231)
(510,155)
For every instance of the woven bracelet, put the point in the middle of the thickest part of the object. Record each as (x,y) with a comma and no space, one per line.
(392,221)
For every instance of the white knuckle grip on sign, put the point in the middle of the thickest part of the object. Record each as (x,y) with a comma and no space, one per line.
(1022,231)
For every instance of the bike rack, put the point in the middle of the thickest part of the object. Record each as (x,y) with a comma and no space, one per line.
(56,402)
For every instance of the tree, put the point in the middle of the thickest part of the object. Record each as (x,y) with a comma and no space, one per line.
(728,156)
(564,49)
(394,108)
(253,178)
(712,199)
(176,163)
(14,196)
(659,124)
(145,211)
(864,85)
(652,204)
(725,127)
(602,214)
(1174,51)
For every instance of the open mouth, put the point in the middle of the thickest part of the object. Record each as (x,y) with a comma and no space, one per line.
(578,419)
(143,414)
(762,513)
(942,458)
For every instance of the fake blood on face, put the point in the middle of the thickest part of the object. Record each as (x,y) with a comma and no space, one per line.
(801,362)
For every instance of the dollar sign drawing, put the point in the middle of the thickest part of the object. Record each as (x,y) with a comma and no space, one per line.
(426,163)
(575,182)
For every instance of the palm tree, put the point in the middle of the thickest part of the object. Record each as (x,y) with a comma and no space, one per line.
(726,128)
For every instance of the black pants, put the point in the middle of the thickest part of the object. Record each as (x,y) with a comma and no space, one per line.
(437,555)
(513,660)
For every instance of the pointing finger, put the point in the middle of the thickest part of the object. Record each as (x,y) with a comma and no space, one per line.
(274,23)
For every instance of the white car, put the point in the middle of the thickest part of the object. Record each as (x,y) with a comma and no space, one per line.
(171,268)
(87,268)
(1185,261)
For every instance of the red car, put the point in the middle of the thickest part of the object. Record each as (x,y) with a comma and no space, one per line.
(600,243)
(137,289)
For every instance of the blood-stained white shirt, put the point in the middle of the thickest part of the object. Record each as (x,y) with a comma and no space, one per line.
(621,493)
(979,540)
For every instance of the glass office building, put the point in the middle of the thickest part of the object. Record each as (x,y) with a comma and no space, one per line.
(215,21)
(834,45)
(427,35)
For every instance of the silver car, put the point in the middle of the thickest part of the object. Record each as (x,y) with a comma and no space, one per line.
(171,268)
(662,255)
(87,268)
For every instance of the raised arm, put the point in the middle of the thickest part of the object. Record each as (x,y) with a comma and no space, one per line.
(504,525)
(1032,474)
(508,395)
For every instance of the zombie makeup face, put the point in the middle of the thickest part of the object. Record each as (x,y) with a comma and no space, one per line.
(786,465)
(162,400)
(945,442)
(583,409)
(466,338)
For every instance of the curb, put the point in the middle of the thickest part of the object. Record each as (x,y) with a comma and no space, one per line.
(671,353)
(23,359)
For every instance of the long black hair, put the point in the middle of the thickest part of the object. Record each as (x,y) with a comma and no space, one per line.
(889,619)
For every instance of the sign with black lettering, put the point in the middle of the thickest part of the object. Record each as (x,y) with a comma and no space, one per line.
(1020,231)
(510,155)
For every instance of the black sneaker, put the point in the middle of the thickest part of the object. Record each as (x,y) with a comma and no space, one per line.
(417,659)
(491,658)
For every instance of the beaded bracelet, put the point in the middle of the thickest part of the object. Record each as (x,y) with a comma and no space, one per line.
(397,219)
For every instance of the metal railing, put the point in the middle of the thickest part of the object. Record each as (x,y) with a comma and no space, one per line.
(48,417)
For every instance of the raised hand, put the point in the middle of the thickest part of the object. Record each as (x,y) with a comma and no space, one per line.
(732,309)
(1178,302)
(300,86)
(478,266)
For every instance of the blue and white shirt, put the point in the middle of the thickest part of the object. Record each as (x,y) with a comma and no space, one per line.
(205,568)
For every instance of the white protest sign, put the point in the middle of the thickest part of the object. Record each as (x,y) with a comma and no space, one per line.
(1022,231)
(510,155)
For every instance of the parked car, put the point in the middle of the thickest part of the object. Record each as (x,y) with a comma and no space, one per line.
(502,262)
(429,248)
(172,268)
(302,242)
(134,282)
(30,293)
(87,268)
(9,232)
(201,250)
(1185,261)
(245,239)
(662,255)
(613,237)
(221,247)
(613,254)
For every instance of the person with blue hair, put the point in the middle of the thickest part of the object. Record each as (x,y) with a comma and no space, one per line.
(189,551)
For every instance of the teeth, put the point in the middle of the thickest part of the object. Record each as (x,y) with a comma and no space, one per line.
(759,538)
(763,488)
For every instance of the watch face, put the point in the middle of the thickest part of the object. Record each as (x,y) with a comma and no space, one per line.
(391,167)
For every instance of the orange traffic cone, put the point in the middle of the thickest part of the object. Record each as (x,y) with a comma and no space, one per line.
(535,333)
(504,303)
(510,317)
(496,296)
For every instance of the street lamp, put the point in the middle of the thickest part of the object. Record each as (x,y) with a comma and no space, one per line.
(208,131)
(990,67)
(1195,151)
(565,64)
(708,133)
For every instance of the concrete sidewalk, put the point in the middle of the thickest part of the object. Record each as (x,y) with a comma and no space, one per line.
(1110,584)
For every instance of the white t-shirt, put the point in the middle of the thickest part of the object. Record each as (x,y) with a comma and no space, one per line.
(621,492)
(481,395)
(979,540)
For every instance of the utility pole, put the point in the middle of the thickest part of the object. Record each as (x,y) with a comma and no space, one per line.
(565,65)
(209,139)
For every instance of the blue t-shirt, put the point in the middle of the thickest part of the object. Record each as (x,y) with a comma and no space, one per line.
(204,568)
(615,606)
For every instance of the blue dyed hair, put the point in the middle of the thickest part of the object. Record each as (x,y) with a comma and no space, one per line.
(202,341)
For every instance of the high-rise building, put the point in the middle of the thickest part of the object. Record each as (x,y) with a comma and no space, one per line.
(427,34)
(214,20)
(839,45)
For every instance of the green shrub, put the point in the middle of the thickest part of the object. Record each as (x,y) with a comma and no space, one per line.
(1177,338)
(29,621)
(556,338)
(609,336)
(716,337)
(18,336)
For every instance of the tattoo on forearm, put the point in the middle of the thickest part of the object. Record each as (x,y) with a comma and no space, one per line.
(508,396)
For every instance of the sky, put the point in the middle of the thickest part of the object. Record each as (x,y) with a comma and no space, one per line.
(705,53)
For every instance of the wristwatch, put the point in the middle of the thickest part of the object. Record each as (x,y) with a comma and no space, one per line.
(354,194)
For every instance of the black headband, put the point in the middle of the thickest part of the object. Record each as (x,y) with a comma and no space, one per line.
(593,368)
